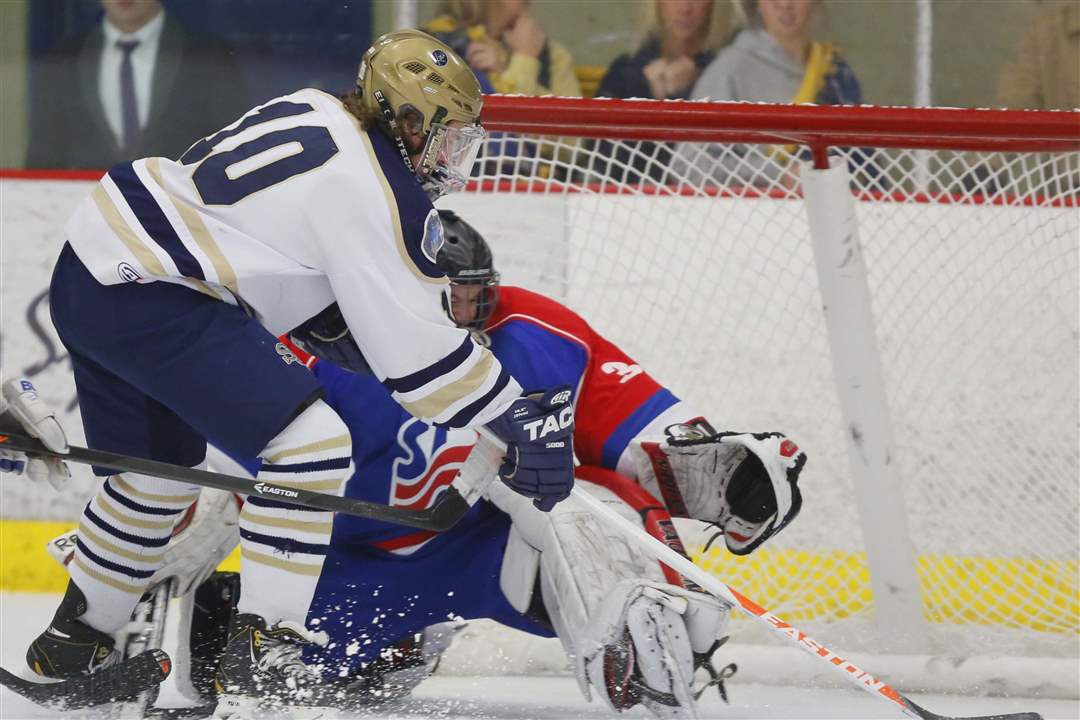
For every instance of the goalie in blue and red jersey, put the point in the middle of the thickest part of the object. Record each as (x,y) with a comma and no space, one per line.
(635,631)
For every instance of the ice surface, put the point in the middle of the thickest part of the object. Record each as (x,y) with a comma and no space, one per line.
(23,615)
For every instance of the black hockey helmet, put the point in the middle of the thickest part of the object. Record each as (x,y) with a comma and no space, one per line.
(467,260)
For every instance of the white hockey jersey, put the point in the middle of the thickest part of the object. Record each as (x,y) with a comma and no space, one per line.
(284,212)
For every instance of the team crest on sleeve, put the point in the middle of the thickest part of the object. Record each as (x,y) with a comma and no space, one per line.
(433,236)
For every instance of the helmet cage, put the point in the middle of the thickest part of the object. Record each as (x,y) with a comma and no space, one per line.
(448,155)
(485,301)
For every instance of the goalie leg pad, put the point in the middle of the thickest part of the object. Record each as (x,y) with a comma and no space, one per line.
(642,644)
(633,637)
(580,560)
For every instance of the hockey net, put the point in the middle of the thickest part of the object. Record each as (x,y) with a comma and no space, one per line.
(680,231)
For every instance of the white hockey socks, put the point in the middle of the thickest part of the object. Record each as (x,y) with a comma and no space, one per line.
(283,546)
(123,533)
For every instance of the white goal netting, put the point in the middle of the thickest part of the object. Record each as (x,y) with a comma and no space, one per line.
(696,258)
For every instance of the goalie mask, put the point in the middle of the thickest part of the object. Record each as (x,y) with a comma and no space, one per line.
(474,283)
(409,72)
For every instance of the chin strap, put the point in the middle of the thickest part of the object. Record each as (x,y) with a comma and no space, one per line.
(391,120)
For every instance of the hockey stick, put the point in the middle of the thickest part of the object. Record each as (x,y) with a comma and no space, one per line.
(126,679)
(138,678)
(714,585)
(146,631)
(710,583)
(443,515)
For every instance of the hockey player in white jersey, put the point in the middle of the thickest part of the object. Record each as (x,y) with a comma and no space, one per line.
(175,280)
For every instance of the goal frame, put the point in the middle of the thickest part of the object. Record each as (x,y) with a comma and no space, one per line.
(838,256)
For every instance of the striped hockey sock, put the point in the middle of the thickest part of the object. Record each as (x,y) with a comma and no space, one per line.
(283,546)
(122,537)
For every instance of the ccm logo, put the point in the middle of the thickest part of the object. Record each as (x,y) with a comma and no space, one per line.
(264,489)
(539,429)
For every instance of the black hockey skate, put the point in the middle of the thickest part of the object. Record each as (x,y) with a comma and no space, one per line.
(213,605)
(398,669)
(262,668)
(69,647)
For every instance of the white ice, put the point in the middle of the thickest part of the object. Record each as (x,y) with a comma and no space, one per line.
(23,615)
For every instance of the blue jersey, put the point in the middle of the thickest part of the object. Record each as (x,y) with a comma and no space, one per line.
(403,461)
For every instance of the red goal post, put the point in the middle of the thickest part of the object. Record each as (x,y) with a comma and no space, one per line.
(896,288)
(815,126)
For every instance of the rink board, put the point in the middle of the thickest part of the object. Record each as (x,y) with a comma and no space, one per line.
(765,576)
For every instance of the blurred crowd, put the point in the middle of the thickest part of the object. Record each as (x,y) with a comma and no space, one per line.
(138,82)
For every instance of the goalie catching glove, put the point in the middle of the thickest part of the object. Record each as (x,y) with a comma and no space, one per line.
(744,483)
(539,433)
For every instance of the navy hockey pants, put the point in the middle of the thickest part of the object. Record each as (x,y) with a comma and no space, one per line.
(161,369)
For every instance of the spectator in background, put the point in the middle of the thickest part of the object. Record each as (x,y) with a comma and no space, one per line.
(136,85)
(772,59)
(1044,73)
(506,47)
(679,39)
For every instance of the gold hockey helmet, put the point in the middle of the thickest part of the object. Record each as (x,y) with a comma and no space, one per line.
(410,71)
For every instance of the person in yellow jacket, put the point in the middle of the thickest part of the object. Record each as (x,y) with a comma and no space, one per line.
(506,47)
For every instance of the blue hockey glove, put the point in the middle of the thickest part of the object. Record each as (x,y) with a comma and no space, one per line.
(327,337)
(539,432)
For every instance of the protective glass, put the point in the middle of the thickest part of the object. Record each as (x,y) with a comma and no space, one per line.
(448,157)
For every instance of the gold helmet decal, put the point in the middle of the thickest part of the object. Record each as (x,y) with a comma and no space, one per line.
(408,70)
